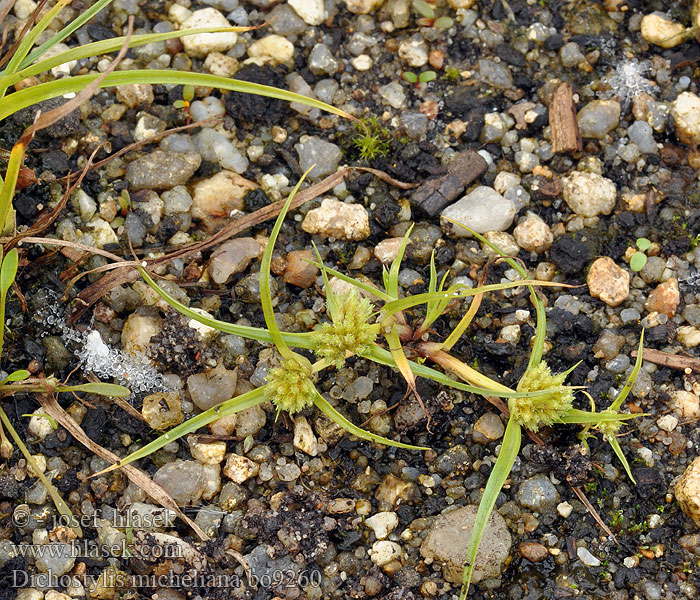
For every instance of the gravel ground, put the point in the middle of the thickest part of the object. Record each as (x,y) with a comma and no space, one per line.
(313,512)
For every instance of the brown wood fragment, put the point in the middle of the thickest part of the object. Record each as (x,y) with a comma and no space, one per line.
(436,193)
(672,361)
(562,120)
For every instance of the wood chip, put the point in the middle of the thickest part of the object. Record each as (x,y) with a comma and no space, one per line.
(562,120)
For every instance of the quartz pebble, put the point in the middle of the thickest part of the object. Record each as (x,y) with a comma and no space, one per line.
(659,29)
(488,428)
(212,387)
(587,558)
(533,551)
(138,331)
(598,118)
(686,115)
(482,210)
(533,234)
(315,151)
(537,493)
(686,404)
(687,491)
(339,220)
(589,194)
(313,12)
(608,282)
(201,44)
(232,257)
(664,299)
(183,480)
(162,410)
(383,552)
(272,48)
(300,270)
(240,468)
(304,438)
(382,523)
(56,559)
(220,194)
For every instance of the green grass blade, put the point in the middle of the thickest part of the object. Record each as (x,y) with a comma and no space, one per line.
(76,23)
(229,407)
(104,47)
(61,506)
(395,306)
(371,290)
(59,87)
(28,41)
(10,183)
(541,327)
(392,287)
(323,405)
(265,263)
(582,417)
(504,463)
(297,340)
(98,387)
(8,271)
(331,302)
(624,392)
(612,440)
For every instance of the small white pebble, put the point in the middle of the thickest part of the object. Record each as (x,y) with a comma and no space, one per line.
(667,422)
(564,509)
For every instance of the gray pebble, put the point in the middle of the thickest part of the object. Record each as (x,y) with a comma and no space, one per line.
(641,133)
(537,493)
(162,170)
(316,151)
(495,74)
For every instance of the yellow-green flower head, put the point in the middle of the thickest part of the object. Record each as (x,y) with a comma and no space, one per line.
(533,413)
(609,429)
(289,387)
(350,331)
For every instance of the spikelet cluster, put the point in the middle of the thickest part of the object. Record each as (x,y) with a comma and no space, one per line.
(542,410)
(289,387)
(350,331)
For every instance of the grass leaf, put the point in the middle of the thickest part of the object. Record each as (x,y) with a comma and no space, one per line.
(612,440)
(265,295)
(52,89)
(229,407)
(98,387)
(500,472)
(624,392)
(19,375)
(392,287)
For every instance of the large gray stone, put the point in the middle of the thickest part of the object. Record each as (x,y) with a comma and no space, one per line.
(448,540)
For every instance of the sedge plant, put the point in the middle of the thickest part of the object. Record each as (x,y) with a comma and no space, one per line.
(357,327)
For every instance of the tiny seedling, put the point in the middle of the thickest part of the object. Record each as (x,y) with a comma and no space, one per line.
(639,258)
(428,17)
(422,77)
(184,104)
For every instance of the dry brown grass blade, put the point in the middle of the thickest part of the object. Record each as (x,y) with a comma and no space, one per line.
(139,478)
(125,273)
(594,513)
(33,18)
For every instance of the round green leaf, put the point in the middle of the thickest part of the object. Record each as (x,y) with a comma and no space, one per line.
(637,262)
(643,244)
